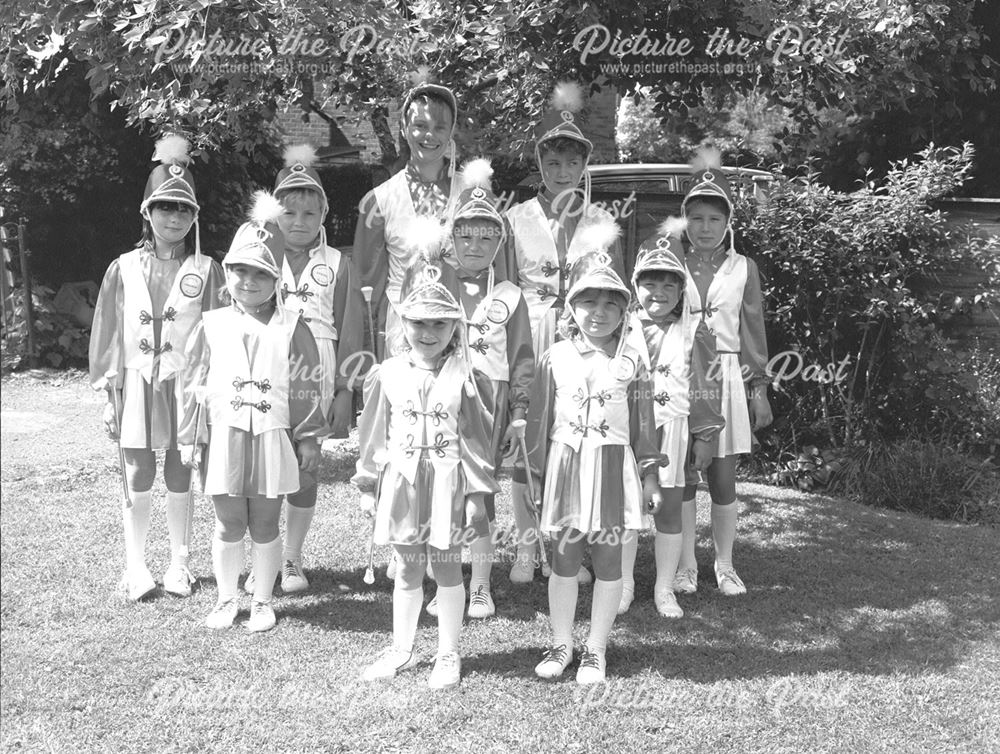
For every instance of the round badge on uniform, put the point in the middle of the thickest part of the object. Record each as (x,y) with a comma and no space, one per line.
(191,285)
(625,368)
(322,274)
(498,312)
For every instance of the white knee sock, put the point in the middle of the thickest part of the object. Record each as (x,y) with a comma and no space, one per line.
(689,528)
(630,548)
(266,560)
(406,605)
(524,522)
(179,517)
(297,521)
(724,532)
(481,551)
(563,592)
(451,605)
(604,609)
(667,548)
(135,521)
(227,562)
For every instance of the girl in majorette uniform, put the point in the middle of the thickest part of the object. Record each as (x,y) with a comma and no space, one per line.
(426,462)
(685,401)
(591,437)
(151,299)
(425,187)
(319,283)
(253,376)
(499,341)
(548,232)
(723,292)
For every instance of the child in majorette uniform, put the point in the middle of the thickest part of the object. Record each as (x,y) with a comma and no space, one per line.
(424,188)
(723,291)
(499,342)
(253,376)
(426,462)
(592,439)
(319,283)
(547,237)
(685,401)
(151,299)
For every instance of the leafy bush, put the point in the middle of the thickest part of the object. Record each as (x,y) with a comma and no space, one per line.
(59,340)
(843,275)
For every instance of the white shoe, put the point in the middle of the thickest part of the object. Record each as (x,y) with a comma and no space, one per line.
(432,607)
(666,603)
(223,614)
(292,577)
(177,579)
(138,583)
(555,662)
(523,570)
(583,576)
(686,581)
(729,582)
(628,595)
(481,603)
(249,582)
(261,617)
(593,668)
(447,672)
(389,662)
(390,569)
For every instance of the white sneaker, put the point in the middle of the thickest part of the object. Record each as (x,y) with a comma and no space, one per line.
(249,582)
(686,581)
(138,583)
(523,570)
(292,577)
(583,576)
(628,595)
(481,603)
(432,607)
(447,672)
(177,579)
(223,614)
(729,582)
(390,569)
(389,662)
(593,668)
(261,617)
(666,603)
(555,662)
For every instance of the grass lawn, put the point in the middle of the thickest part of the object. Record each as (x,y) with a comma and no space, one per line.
(863,630)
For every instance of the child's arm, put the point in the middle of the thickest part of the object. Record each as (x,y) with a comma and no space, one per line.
(520,360)
(304,413)
(705,419)
(542,401)
(753,347)
(642,432)
(107,360)
(369,253)
(475,433)
(215,282)
(192,424)
(348,315)
(373,433)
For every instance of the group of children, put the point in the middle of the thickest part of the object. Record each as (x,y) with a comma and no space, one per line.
(497,332)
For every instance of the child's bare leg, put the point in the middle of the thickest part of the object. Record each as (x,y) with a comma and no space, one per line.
(525,533)
(630,548)
(722,487)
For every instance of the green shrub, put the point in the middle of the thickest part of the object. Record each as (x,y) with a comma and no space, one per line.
(59,340)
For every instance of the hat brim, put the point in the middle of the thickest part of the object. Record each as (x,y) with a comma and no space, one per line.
(430,311)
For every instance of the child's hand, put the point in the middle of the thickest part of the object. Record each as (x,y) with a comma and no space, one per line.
(535,506)
(190,456)
(367,503)
(702,452)
(651,493)
(343,405)
(110,421)
(308,453)
(475,508)
(760,410)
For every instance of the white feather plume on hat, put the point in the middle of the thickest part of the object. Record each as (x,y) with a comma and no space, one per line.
(600,236)
(265,208)
(706,158)
(300,154)
(425,235)
(422,75)
(568,95)
(172,150)
(673,227)
(477,172)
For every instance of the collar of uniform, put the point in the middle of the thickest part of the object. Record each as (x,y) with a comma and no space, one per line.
(584,346)
(644,318)
(442,181)
(464,274)
(546,203)
(148,248)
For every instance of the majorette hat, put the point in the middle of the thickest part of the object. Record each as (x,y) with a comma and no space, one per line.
(259,242)
(594,268)
(430,288)
(567,99)
(171,181)
(707,180)
(662,251)
(299,173)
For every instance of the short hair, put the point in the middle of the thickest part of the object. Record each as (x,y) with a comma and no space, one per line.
(661,274)
(562,145)
(300,192)
(568,325)
(712,201)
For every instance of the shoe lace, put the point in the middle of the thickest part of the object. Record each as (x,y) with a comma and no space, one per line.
(729,574)
(447,661)
(225,605)
(290,569)
(479,598)
(556,654)
(590,660)
(257,605)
